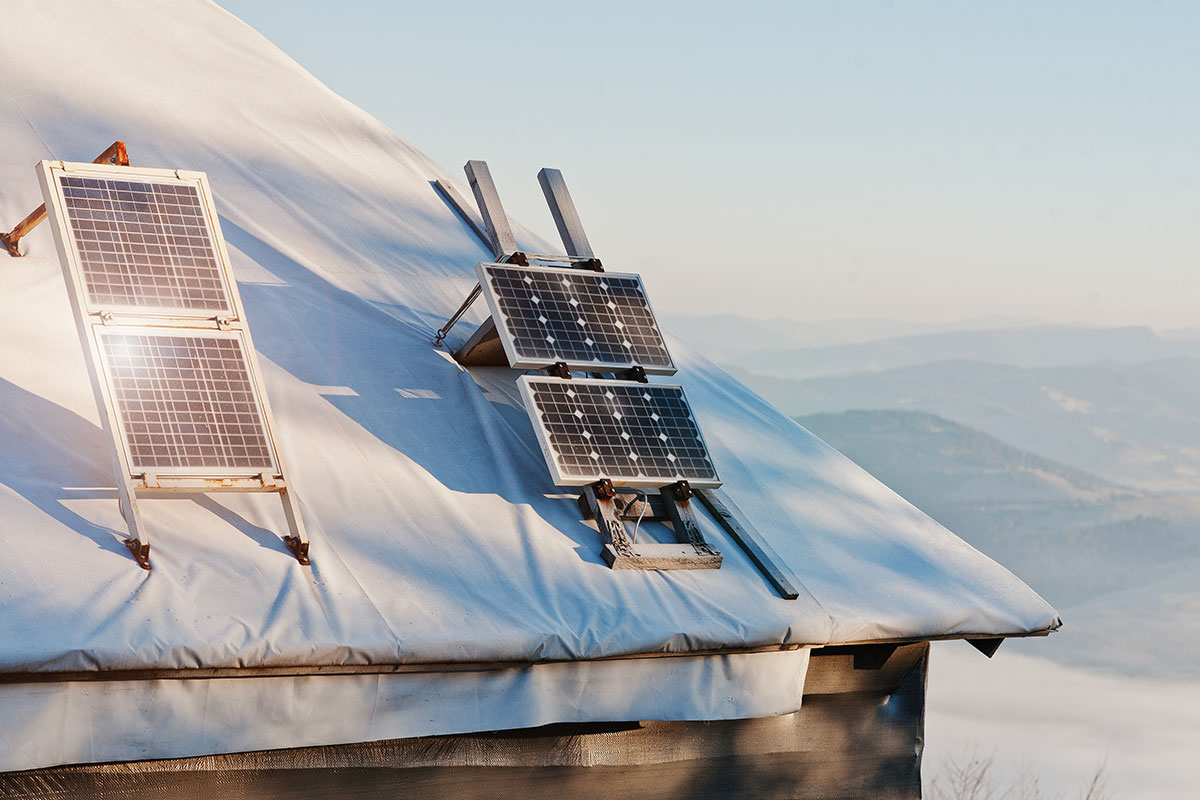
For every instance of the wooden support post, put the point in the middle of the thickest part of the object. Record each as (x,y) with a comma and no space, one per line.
(617,543)
(676,501)
(297,542)
(499,232)
(566,218)
(741,531)
(483,348)
(115,154)
(139,539)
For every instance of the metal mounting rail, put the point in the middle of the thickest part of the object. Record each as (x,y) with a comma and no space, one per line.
(115,154)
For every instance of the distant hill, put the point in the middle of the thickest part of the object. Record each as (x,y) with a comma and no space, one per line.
(922,454)
(792,349)
(1131,424)
(1044,346)
(729,337)
(1090,546)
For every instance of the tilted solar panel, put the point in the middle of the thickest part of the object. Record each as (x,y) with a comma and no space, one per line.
(634,434)
(186,402)
(144,244)
(589,320)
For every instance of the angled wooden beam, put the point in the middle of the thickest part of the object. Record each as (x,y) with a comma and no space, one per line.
(499,232)
(566,218)
(115,154)
(741,531)
(464,211)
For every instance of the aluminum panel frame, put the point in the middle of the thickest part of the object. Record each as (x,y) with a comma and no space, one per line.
(517,361)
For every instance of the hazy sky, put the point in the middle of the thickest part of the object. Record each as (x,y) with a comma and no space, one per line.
(911,160)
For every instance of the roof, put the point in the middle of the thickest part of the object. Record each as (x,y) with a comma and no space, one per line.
(437,535)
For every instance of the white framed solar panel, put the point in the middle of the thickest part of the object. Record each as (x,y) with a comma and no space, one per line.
(172,363)
(591,321)
(634,434)
(187,402)
(142,241)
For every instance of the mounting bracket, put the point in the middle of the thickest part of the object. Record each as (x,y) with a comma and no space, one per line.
(115,154)
(621,551)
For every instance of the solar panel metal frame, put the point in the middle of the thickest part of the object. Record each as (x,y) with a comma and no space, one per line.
(517,360)
(91,322)
(525,383)
(53,172)
(100,332)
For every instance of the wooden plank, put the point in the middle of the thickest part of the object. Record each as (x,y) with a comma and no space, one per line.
(838,670)
(739,529)
(566,218)
(653,555)
(499,232)
(464,211)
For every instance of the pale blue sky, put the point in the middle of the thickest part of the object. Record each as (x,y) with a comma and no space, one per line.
(910,160)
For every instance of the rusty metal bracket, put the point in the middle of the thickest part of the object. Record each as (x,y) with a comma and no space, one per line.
(559,370)
(633,374)
(141,552)
(605,489)
(682,491)
(299,549)
(115,154)
(517,257)
(590,263)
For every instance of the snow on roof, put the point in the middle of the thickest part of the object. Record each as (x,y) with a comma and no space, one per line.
(437,535)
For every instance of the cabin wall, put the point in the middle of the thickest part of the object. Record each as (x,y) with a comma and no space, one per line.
(859,734)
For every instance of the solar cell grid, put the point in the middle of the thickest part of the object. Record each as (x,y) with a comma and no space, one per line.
(588,320)
(144,244)
(631,433)
(186,403)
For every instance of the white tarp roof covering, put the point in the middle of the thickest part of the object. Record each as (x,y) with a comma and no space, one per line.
(437,536)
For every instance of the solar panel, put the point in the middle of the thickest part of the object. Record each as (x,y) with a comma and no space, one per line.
(186,402)
(144,244)
(634,434)
(589,320)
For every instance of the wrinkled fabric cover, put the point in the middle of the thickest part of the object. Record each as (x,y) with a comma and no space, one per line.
(437,535)
(864,741)
(115,721)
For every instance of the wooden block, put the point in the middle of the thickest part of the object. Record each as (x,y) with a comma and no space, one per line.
(652,555)
(483,348)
